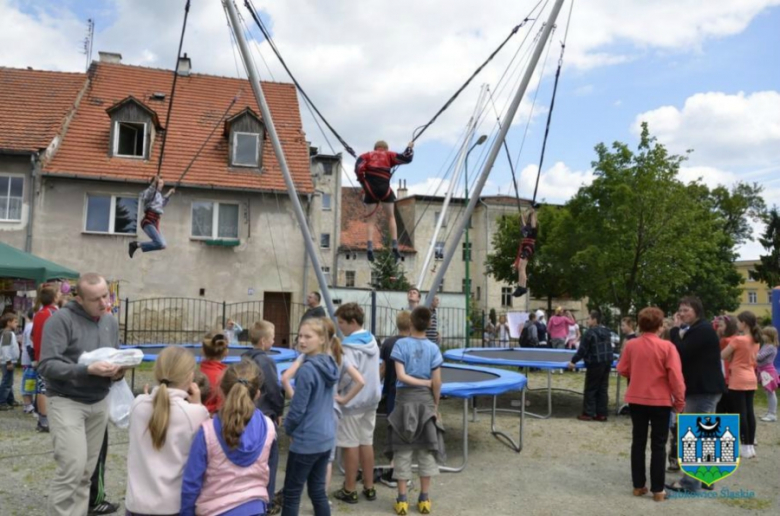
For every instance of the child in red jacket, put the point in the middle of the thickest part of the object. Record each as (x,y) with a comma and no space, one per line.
(215,349)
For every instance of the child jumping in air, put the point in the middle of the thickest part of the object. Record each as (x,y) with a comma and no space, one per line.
(154,202)
(525,252)
(374,171)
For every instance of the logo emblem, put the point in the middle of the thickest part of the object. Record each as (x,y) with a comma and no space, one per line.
(708,445)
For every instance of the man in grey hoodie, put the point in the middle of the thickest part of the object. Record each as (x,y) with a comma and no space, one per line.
(355,434)
(78,410)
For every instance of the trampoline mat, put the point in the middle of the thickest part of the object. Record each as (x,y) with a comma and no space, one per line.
(232,351)
(452,375)
(523,355)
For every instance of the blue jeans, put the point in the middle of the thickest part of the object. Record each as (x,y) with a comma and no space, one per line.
(273,465)
(309,469)
(7,387)
(698,404)
(158,241)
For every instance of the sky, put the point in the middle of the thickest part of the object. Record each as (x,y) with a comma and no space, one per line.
(700,72)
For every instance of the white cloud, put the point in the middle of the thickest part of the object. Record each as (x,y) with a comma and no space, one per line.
(710,176)
(371,70)
(557,184)
(740,131)
(584,91)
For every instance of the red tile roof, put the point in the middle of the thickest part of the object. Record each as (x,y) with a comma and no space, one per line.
(199,102)
(354,226)
(34,105)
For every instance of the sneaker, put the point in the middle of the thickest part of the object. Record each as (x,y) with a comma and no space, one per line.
(29,409)
(350,497)
(44,429)
(600,418)
(369,493)
(103,508)
(132,248)
(519,291)
(401,508)
(370,255)
(387,479)
(769,418)
(624,410)
(424,506)
(585,417)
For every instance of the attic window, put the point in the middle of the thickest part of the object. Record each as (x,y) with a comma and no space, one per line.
(246,149)
(158,96)
(130,139)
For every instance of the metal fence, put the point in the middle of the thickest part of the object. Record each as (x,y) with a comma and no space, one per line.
(176,320)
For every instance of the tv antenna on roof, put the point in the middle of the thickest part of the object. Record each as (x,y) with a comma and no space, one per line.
(87,43)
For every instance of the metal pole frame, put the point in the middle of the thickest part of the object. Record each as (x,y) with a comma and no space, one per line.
(505,125)
(257,89)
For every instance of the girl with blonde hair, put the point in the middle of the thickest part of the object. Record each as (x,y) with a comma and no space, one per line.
(162,427)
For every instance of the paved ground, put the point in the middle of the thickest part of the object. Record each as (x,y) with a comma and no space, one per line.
(566,467)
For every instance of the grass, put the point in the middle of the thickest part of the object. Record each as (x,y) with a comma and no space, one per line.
(748,504)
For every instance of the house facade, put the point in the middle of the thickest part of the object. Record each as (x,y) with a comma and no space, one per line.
(756,296)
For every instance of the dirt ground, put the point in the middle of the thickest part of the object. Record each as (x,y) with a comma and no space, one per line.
(565,467)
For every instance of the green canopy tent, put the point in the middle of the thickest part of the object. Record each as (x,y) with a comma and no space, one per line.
(20,265)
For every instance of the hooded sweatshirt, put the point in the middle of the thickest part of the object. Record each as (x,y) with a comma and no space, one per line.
(310,420)
(363,352)
(271,402)
(67,334)
(153,199)
(225,481)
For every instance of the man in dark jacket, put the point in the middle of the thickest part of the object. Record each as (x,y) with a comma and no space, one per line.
(596,350)
(699,348)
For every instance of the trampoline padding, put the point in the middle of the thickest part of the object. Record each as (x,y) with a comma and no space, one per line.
(514,357)
(234,352)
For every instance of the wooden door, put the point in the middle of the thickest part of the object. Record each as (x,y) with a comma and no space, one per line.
(276,310)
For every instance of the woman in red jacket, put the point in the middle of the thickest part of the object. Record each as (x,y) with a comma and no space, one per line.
(657,386)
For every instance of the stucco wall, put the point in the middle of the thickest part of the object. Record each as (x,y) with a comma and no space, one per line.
(11,232)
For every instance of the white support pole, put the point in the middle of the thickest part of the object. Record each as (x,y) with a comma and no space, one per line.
(254,80)
(453,184)
(505,125)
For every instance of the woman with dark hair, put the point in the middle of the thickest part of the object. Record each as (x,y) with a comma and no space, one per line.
(656,387)
(742,352)
(726,327)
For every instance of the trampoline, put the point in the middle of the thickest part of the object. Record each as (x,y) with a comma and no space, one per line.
(234,354)
(547,359)
(467,382)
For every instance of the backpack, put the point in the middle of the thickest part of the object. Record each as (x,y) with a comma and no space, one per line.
(525,340)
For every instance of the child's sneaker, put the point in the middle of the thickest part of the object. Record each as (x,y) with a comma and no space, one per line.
(347,496)
(519,291)
(29,409)
(387,479)
(401,508)
(424,506)
(769,418)
(369,493)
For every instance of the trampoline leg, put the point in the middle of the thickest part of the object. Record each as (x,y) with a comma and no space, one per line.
(474,410)
(458,469)
(501,436)
(549,398)
(132,380)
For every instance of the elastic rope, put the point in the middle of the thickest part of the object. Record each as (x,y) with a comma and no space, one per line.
(508,156)
(173,89)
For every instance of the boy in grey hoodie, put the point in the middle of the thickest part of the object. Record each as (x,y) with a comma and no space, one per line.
(154,202)
(355,434)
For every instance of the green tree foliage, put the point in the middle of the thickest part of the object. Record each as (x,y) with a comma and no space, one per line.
(388,275)
(768,271)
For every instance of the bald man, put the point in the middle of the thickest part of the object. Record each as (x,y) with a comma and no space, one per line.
(78,410)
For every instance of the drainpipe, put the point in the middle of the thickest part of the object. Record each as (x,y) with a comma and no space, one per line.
(306,255)
(30,218)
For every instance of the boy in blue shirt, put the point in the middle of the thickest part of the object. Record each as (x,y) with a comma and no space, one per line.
(414,422)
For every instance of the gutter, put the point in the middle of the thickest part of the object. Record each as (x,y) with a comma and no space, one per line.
(305,288)
(34,162)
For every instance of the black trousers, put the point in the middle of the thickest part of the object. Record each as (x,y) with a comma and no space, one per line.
(596,396)
(657,418)
(97,486)
(741,402)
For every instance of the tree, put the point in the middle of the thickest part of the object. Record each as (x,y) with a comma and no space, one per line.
(387,273)
(768,270)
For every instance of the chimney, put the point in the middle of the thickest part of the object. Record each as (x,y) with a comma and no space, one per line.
(185,65)
(110,57)
(402,190)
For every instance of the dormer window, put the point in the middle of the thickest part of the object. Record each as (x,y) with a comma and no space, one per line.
(132,129)
(245,132)
(246,149)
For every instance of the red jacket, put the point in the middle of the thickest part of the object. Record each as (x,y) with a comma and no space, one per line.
(37,331)
(213,369)
(653,366)
(381,162)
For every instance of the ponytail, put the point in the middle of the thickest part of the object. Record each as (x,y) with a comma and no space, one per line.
(173,367)
(748,318)
(336,350)
(241,382)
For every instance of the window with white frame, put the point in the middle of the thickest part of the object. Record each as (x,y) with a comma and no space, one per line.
(436,219)
(325,240)
(349,278)
(111,214)
(752,297)
(438,251)
(246,149)
(326,273)
(11,195)
(326,201)
(130,139)
(506,297)
(214,220)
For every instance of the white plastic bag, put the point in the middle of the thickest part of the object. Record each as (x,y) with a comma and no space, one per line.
(120,400)
(121,357)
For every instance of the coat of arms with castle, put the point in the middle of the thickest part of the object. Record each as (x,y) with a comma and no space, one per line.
(709,450)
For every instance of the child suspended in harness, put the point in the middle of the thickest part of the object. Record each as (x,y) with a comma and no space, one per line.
(374,171)
(525,252)
(154,202)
